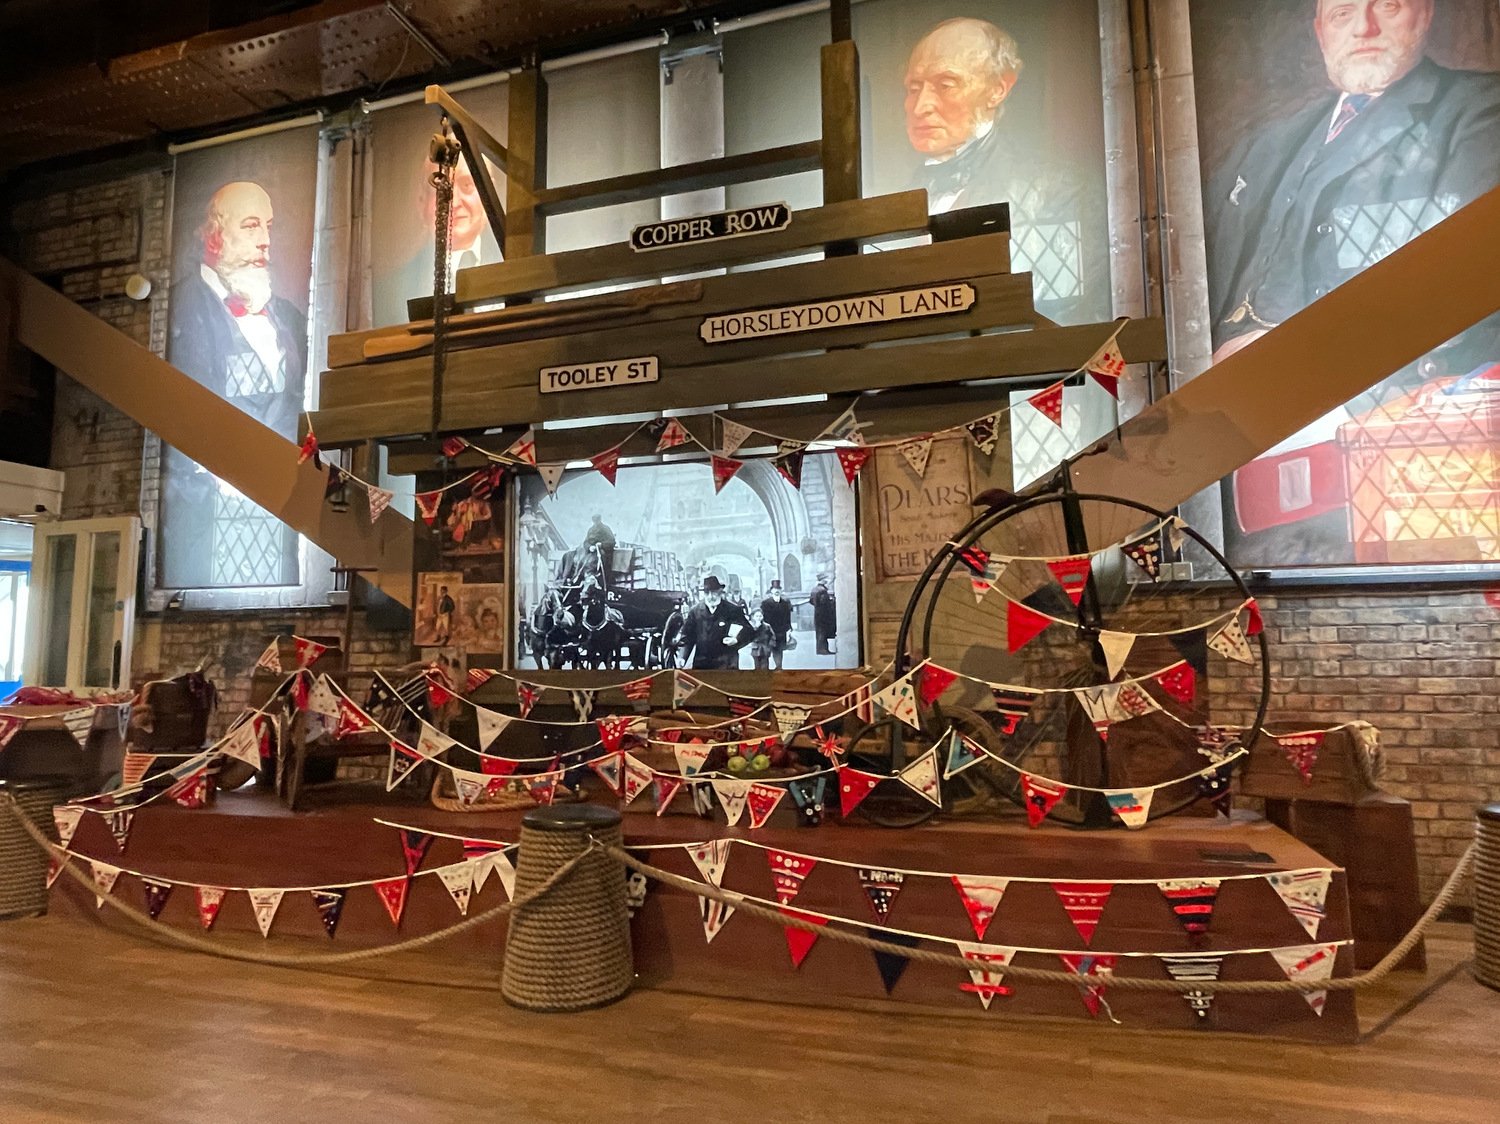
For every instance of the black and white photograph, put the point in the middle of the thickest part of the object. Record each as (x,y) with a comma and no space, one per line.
(659,571)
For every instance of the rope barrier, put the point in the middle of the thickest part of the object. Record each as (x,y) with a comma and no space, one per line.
(1384,968)
(286,960)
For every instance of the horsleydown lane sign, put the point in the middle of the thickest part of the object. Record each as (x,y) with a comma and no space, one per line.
(845,312)
(711,228)
(606,372)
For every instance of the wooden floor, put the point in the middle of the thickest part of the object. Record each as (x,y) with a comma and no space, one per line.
(104,1026)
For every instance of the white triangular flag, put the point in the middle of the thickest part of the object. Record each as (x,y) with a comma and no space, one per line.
(458,879)
(468,786)
(506,870)
(735,435)
(265,904)
(983,583)
(105,877)
(432,741)
(900,701)
(921,776)
(1305,894)
(523,448)
(1308,961)
(789,719)
(322,698)
(684,687)
(715,914)
(710,858)
(1132,806)
(380,499)
(917,454)
(732,795)
(270,659)
(1175,533)
(490,724)
(986,980)
(551,475)
(79,722)
(66,817)
(243,744)
(1116,648)
(636,779)
(1232,643)
(122,716)
(690,758)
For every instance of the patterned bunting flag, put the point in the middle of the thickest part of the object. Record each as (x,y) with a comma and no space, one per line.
(270,659)
(612,731)
(301,692)
(983,433)
(55,868)
(10,726)
(1231,643)
(1087,966)
(208,899)
(428,504)
(498,767)
(551,475)
(981,584)
(1023,624)
(1254,624)
(985,981)
(1084,903)
(608,767)
(981,897)
(265,903)
(583,703)
(526,697)
(1146,553)
(1302,750)
(607,463)
(66,818)
(846,428)
(414,845)
(330,906)
(192,790)
(1041,796)
(1192,901)
(458,880)
(1013,705)
(690,758)
(715,915)
(351,721)
(854,786)
(469,787)
(724,469)
(1305,894)
(523,448)
(1214,786)
(1179,681)
(742,706)
(921,776)
(732,795)
(380,499)
(308,652)
(788,872)
(105,877)
(710,859)
(663,789)
(403,760)
(684,687)
(309,449)
(542,787)
(808,795)
(799,942)
(636,779)
(392,893)
(486,481)
(1202,967)
(453,446)
(1072,574)
(900,701)
(789,719)
(1102,705)
(242,744)
(1313,961)
(1107,366)
(975,559)
(119,826)
(477,677)
(762,800)
(671,434)
(852,460)
(789,465)
(881,888)
(1049,403)
(932,681)
(917,453)
(962,752)
(80,723)
(733,435)
(890,965)
(439,692)
(1133,807)
(157,893)
(490,724)
(432,742)
(1115,647)
(638,693)
(829,745)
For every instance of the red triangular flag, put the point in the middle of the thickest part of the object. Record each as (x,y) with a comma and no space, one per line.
(799,942)
(933,681)
(1180,681)
(981,897)
(1302,750)
(1084,902)
(392,893)
(852,460)
(1255,625)
(854,786)
(308,651)
(301,690)
(1072,574)
(1023,624)
(724,470)
(309,450)
(452,446)
(477,677)
(414,845)
(608,463)
(209,899)
(1049,402)
(427,506)
(1099,967)
(612,730)
(663,788)
(787,872)
(1040,796)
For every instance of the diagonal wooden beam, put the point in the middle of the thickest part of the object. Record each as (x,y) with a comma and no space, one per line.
(231,444)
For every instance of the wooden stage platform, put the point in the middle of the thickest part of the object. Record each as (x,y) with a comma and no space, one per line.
(247,839)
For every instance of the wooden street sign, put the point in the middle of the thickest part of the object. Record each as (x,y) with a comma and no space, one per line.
(711,228)
(869,308)
(609,372)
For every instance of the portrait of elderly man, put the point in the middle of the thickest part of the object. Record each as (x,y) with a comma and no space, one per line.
(1395,145)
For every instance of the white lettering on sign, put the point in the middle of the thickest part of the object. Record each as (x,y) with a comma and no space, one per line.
(874,308)
(608,372)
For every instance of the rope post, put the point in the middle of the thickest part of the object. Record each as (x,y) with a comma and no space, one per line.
(569,950)
(23,867)
(1487,896)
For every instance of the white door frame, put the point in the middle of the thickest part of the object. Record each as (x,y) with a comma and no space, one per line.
(128,527)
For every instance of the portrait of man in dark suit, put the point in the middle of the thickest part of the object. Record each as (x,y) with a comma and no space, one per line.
(1304,202)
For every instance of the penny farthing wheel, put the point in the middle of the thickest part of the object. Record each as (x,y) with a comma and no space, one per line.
(1087,667)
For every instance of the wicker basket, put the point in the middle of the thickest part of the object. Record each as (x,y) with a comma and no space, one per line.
(1487,897)
(23,865)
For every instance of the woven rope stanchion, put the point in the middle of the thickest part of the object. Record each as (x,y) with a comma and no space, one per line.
(23,868)
(570,948)
(1487,896)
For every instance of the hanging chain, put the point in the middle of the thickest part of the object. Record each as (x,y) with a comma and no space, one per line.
(444,154)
